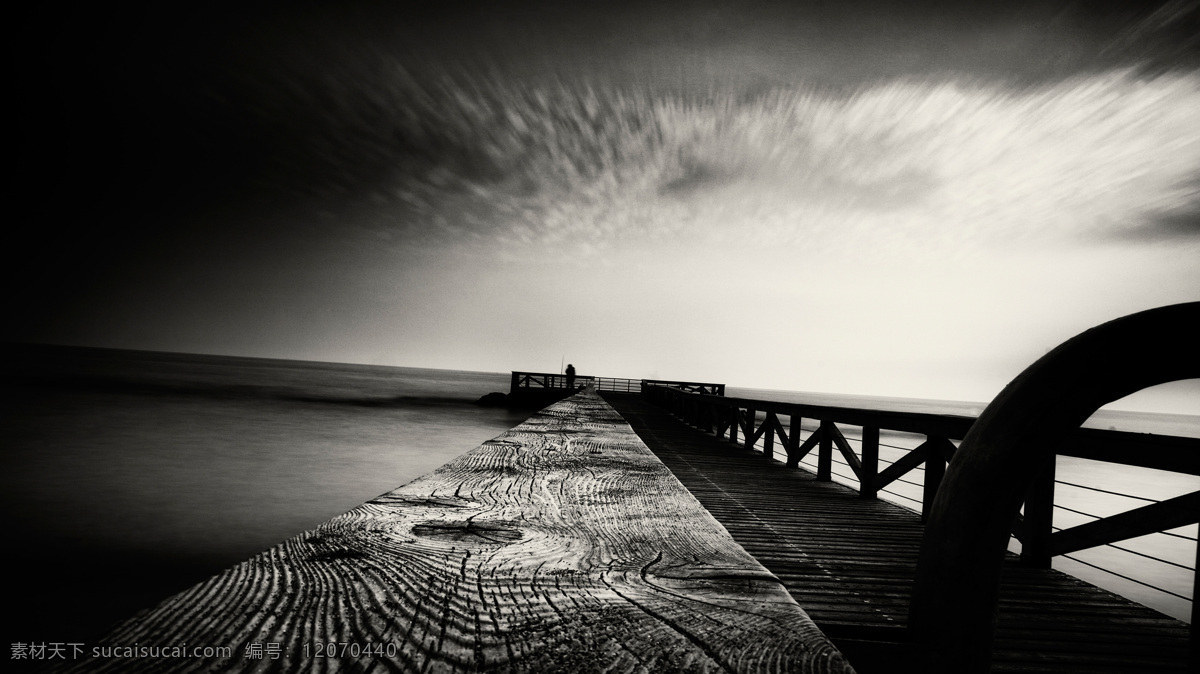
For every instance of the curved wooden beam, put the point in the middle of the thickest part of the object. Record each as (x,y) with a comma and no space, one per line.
(953,611)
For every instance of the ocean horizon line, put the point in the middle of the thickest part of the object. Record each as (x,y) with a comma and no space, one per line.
(1107,418)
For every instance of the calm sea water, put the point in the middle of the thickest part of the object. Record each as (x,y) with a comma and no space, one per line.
(128,476)
(1161,560)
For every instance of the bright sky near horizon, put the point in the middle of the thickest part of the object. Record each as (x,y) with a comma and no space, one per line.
(863,200)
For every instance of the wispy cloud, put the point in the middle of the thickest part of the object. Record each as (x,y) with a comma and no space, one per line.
(930,162)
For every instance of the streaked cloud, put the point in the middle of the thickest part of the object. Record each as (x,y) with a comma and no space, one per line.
(933,163)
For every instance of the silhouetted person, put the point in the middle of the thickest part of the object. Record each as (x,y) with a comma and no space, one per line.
(570,376)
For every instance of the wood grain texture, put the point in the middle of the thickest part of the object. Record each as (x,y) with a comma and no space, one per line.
(561,545)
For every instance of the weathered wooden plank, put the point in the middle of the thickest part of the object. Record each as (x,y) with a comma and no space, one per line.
(561,545)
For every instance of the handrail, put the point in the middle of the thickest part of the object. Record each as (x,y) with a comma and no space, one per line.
(1008,454)
(706,388)
(554,380)
(1161,452)
(545,380)
(763,422)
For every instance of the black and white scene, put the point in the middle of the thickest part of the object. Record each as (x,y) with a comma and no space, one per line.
(675,336)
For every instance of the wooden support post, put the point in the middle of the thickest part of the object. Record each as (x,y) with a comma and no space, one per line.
(825,453)
(706,418)
(935,468)
(769,435)
(870,462)
(514,384)
(749,429)
(1039,518)
(793,441)
(734,423)
(721,417)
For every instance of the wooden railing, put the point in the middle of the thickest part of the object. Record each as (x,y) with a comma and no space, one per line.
(750,422)
(747,422)
(703,388)
(547,380)
(760,424)
(618,385)
(1004,459)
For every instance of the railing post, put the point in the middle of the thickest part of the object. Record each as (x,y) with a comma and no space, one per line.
(706,417)
(514,385)
(870,462)
(749,429)
(793,443)
(769,436)
(825,453)
(734,422)
(935,469)
(1039,518)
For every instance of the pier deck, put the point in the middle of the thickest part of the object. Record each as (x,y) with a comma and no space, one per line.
(562,545)
(849,562)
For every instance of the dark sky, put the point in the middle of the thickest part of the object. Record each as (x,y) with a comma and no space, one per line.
(145,103)
(206,164)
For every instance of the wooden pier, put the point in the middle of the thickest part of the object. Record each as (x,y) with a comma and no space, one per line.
(850,562)
(641,534)
(563,545)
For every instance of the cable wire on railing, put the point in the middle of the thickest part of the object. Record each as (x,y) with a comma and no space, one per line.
(843,476)
(811,465)
(1077,512)
(904,449)
(899,495)
(1121,575)
(1098,517)
(841,462)
(1105,491)
(1141,554)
